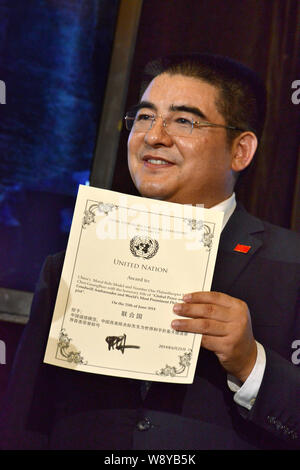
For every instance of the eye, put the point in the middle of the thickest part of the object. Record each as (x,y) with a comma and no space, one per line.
(143,117)
(184,121)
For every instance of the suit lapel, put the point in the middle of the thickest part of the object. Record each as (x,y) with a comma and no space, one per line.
(242,228)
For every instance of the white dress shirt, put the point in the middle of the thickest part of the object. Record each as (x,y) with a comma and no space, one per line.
(244,393)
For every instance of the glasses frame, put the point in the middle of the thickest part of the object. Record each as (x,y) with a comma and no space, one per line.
(195,124)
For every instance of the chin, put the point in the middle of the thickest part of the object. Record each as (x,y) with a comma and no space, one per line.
(152,191)
(152,195)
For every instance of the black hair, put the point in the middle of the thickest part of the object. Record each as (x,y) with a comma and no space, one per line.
(242,94)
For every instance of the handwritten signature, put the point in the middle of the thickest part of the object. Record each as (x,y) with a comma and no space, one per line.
(118,342)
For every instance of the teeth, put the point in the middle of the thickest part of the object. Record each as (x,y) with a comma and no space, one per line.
(157,162)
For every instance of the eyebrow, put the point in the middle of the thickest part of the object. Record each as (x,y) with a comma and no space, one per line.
(188,109)
(145,104)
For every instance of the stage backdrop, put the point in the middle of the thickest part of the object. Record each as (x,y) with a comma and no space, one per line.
(54,60)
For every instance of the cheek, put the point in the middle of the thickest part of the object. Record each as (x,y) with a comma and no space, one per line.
(130,145)
(193,148)
(194,154)
(132,149)
(206,153)
(132,167)
(134,143)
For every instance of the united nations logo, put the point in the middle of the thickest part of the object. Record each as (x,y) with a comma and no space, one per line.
(143,246)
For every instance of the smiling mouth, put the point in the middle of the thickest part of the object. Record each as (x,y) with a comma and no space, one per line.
(156,162)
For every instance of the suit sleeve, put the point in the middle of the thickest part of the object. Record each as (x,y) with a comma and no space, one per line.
(16,431)
(277,406)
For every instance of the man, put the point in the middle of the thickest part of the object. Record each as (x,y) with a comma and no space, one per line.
(195,129)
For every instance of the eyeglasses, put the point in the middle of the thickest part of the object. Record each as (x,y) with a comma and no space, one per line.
(174,125)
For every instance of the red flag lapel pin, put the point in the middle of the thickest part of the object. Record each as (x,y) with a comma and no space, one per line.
(242,248)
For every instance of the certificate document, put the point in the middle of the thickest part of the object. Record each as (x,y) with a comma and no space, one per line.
(128,261)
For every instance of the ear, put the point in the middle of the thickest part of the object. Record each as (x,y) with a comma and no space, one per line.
(244,147)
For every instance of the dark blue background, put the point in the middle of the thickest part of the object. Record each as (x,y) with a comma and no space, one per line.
(54,59)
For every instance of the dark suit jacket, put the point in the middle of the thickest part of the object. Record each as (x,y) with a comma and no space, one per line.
(56,408)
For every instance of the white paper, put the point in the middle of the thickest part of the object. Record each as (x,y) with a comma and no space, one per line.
(129,260)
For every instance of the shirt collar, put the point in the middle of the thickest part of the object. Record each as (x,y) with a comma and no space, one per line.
(227,207)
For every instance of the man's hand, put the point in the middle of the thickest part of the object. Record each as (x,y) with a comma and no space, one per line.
(225,324)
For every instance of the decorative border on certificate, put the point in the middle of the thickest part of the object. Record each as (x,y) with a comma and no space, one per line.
(90,213)
(66,352)
(184,362)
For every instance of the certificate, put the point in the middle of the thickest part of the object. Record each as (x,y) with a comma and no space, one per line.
(128,261)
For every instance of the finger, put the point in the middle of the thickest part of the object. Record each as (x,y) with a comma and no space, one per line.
(213,343)
(217,298)
(202,311)
(201,326)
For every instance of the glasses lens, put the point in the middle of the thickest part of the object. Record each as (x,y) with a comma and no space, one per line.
(129,121)
(139,123)
(175,126)
(179,127)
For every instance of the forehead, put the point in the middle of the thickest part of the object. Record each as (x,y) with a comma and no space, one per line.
(166,90)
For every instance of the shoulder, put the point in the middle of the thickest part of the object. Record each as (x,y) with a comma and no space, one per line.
(50,274)
(282,235)
(53,264)
(279,243)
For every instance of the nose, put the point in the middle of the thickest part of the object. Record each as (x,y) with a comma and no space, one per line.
(157,135)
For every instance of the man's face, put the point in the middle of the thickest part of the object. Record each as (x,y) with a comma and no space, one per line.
(194,169)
